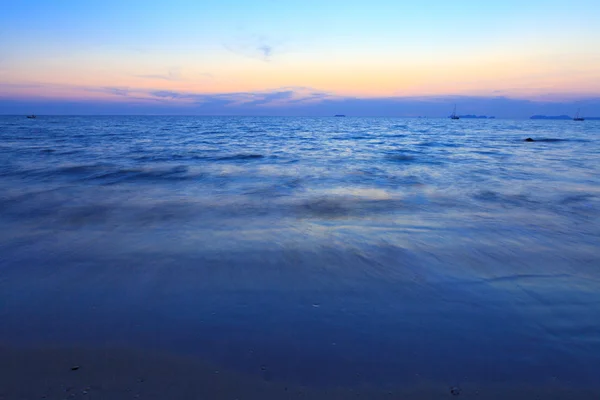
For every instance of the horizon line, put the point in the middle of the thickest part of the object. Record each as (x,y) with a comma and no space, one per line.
(465,116)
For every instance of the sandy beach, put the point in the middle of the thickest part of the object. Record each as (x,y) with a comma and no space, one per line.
(119,374)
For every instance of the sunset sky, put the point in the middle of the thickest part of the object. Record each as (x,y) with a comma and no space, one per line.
(261,55)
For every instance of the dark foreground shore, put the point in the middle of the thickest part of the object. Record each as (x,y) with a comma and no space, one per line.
(115,374)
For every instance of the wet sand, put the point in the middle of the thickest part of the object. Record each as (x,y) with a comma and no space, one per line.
(115,374)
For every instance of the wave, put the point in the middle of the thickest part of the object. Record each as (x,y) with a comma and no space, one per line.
(438,144)
(413,156)
(105,206)
(59,152)
(79,169)
(578,198)
(360,137)
(401,158)
(514,200)
(176,173)
(235,157)
(255,130)
(335,207)
(195,156)
(108,174)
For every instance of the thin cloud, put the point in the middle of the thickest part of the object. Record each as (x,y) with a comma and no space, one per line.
(173,74)
(252,46)
(292,101)
(168,94)
(118,91)
(276,98)
(21,85)
(266,50)
(115,91)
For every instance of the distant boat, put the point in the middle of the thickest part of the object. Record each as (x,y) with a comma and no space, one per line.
(454,116)
(32,116)
(339,115)
(578,117)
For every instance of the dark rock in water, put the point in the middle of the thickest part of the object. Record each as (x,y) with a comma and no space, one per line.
(75,368)
(546,140)
(455,391)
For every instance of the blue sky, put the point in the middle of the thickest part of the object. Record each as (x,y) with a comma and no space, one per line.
(104,52)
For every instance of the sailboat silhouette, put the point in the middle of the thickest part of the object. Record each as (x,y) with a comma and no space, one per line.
(454,116)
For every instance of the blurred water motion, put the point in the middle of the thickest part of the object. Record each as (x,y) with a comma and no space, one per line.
(340,251)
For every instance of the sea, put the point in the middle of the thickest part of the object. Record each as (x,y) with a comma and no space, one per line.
(326,252)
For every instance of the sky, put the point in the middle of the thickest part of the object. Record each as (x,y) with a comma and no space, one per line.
(265,57)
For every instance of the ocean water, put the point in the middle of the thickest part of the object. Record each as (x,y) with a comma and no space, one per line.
(319,251)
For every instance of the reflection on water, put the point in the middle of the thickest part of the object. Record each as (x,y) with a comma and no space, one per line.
(328,252)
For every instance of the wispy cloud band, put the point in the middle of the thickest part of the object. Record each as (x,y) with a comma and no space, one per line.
(280,101)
